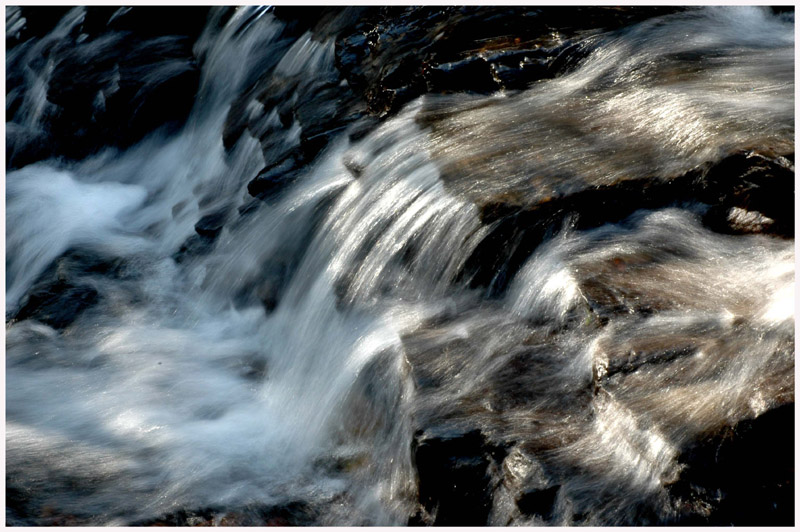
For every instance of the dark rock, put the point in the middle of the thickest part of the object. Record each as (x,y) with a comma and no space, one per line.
(275,278)
(783,10)
(751,192)
(25,145)
(321,105)
(472,74)
(362,127)
(273,179)
(391,52)
(539,502)
(270,92)
(210,225)
(745,180)
(516,70)
(293,513)
(113,79)
(194,246)
(455,483)
(155,21)
(59,295)
(354,166)
(58,304)
(28,22)
(741,475)
(322,22)
(207,230)
(254,368)
(276,272)
(117,91)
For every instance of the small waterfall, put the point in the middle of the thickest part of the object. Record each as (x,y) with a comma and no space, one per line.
(281,308)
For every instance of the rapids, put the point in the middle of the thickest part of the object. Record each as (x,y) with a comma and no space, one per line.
(179,351)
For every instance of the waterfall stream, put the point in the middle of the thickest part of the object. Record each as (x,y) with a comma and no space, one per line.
(234,355)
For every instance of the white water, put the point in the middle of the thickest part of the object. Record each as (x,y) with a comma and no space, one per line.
(178,391)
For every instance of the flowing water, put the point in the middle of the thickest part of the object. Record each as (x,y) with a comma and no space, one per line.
(611,347)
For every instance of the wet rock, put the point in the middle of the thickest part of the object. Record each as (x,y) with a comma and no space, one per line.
(516,69)
(526,494)
(354,166)
(362,127)
(539,502)
(751,192)
(394,55)
(743,221)
(472,74)
(275,273)
(193,246)
(253,368)
(783,10)
(57,304)
(740,475)
(268,92)
(322,111)
(732,186)
(152,21)
(275,178)
(27,22)
(207,229)
(60,295)
(292,114)
(322,22)
(112,79)
(210,225)
(293,513)
(25,145)
(519,77)
(455,481)
(275,278)
(121,96)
